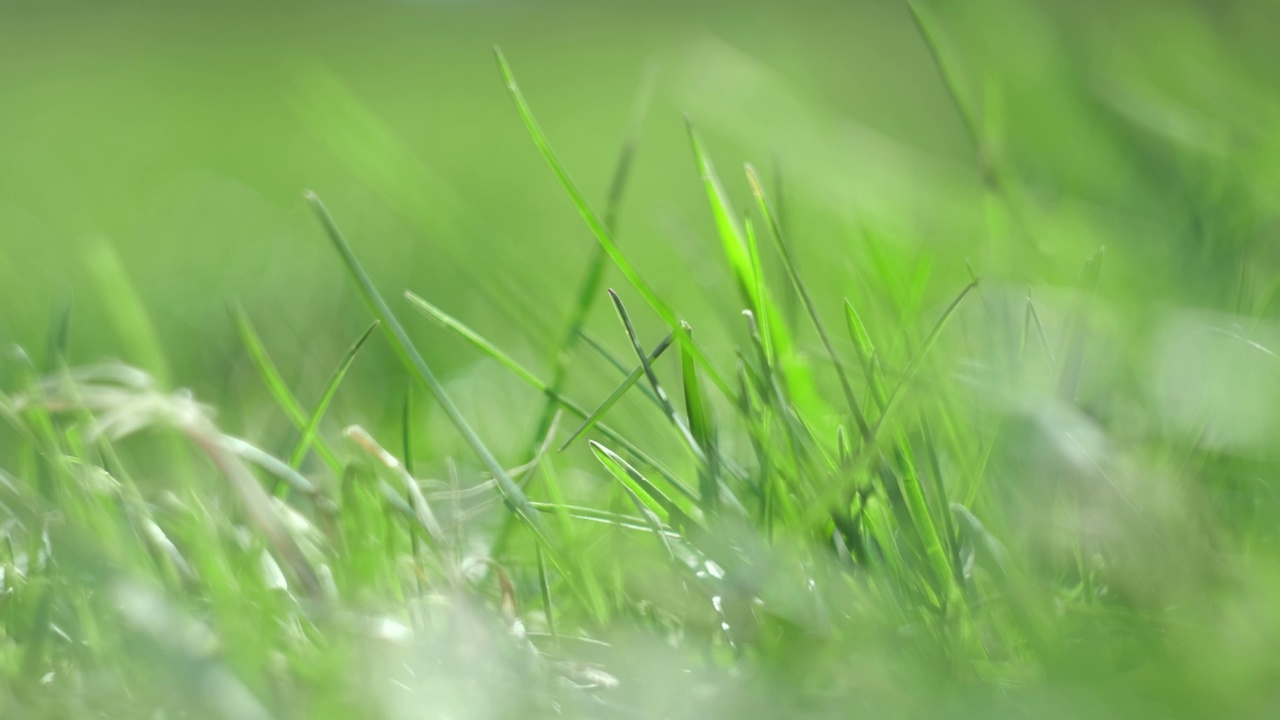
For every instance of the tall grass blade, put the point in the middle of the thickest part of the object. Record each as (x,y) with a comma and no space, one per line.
(594,223)
(409,355)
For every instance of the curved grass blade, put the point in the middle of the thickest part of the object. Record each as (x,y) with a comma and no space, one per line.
(330,389)
(409,355)
(594,223)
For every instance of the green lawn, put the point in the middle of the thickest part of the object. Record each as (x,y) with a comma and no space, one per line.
(726,360)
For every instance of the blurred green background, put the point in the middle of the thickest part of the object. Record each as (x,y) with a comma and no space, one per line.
(173,142)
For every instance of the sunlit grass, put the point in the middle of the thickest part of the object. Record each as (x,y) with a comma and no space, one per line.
(926,487)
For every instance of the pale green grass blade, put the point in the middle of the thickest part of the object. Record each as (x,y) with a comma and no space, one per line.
(617,394)
(589,514)
(594,223)
(409,355)
(330,389)
(329,110)
(450,323)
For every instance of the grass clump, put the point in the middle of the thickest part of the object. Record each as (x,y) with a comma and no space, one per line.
(922,515)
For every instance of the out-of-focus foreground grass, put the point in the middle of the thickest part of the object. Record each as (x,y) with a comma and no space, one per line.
(1054,492)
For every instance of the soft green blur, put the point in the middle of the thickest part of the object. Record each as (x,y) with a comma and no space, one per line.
(183,137)
(153,160)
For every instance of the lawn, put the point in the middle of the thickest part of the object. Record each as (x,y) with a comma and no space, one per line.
(471,360)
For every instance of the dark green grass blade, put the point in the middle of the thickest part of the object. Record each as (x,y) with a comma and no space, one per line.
(667,408)
(330,389)
(925,25)
(59,341)
(629,382)
(766,212)
(702,427)
(413,361)
(406,429)
(594,223)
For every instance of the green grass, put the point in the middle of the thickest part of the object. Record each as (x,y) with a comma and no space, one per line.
(1001,444)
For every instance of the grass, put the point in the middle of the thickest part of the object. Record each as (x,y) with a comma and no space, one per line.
(911,490)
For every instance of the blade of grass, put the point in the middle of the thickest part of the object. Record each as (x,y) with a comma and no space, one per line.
(629,382)
(594,223)
(788,262)
(667,408)
(330,389)
(488,348)
(702,427)
(275,383)
(409,355)
(589,290)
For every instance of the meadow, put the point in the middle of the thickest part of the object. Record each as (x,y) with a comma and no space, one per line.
(472,360)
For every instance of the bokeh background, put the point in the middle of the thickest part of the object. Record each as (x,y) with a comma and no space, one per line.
(172,142)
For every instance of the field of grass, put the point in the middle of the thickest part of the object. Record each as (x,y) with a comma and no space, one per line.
(717,360)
